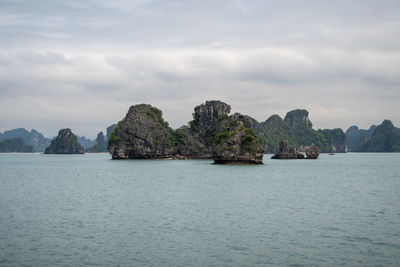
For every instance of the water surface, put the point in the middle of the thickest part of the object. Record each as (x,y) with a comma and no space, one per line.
(79,210)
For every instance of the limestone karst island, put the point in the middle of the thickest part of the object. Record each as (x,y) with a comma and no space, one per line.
(213,133)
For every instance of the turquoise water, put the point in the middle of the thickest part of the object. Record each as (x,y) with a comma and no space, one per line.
(79,210)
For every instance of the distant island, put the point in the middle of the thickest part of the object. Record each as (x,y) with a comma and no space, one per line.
(297,129)
(15,145)
(200,138)
(382,138)
(65,143)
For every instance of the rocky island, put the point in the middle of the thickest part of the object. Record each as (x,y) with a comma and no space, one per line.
(65,143)
(287,151)
(144,134)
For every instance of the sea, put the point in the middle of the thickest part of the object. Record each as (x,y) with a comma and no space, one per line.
(90,210)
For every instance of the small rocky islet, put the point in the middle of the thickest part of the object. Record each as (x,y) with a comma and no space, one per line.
(287,151)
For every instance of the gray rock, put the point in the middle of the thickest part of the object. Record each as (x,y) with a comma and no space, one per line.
(286,151)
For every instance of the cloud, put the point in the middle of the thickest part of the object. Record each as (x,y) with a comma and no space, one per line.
(81,64)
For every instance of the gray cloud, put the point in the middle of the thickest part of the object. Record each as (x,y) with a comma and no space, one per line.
(81,64)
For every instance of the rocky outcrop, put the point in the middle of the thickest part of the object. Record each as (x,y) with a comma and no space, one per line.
(65,143)
(15,145)
(212,133)
(142,134)
(236,142)
(297,118)
(100,145)
(312,152)
(286,151)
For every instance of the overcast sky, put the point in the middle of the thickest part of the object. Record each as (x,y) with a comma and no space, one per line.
(81,64)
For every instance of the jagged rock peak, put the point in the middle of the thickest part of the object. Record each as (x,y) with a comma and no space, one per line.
(65,143)
(297,117)
(100,139)
(208,114)
(143,133)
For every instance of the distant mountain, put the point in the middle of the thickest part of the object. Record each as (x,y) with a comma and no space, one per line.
(15,145)
(385,138)
(356,137)
(85,142)
(296,128)
(33,138)
(100,146)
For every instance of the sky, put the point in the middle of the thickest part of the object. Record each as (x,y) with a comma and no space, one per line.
(82,63)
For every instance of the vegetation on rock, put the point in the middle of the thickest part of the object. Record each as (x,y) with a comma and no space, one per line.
(15,145)
(65,143)
(297,129)
(385,138)
(33,138)
(143,133)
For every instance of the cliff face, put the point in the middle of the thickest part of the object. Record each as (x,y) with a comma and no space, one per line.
(65,143)
(110,129)
(333,141)
(15,145)
(297,118)
(297,129)
(385,138)
(143,133)
(357,137)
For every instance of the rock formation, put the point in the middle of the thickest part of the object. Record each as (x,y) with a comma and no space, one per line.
(15,145)
(297,129)
(110,129)
(286,151)
(312,152)
(85,142)
(297,118)
(100,146)
(357,137)
(385,138)
(143,133)
(65,143)
(33,138)
(236,142)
